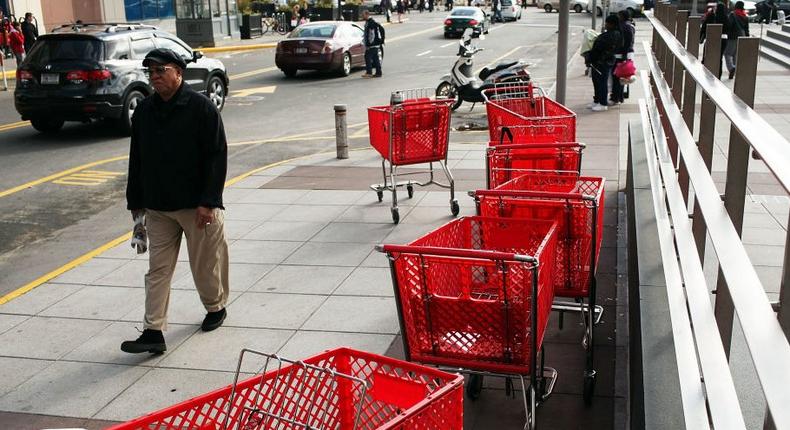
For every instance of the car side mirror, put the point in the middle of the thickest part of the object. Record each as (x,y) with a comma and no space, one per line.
(196,55)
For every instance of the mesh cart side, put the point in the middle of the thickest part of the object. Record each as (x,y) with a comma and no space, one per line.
(506,162)
(337,389)
(519,106)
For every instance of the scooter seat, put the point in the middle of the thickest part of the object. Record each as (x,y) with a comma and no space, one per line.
(486,72)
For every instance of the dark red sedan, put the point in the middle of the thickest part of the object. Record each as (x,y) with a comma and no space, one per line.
(326,45)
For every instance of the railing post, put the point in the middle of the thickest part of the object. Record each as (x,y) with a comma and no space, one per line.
(677,74)
(689,88)
(707,126)
(669,59)
(737,174)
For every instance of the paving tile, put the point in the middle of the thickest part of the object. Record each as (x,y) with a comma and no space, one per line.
(185,308)
(275,170)
(356,314)
(219,349)
(253,181)
(308,343)
(233,195)
(71,389)
(235,229)
(242,276)
(330,254)
(309,213)
(263,310)
(132,274)
(7,322)
(302,279)
(89,271)
(285,230)
(374,213)
(105,346)
(15,371)
(770,277)
(105,303)
(160,388)
(353,232)
(407,233)
(273,196)
(123,252)
(40,298)
(331,197)
(252,212)
(765,255)
(261,251)
(375,259)
(428,215)
(367,281)
(48,338)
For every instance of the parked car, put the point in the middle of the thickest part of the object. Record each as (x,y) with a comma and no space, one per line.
(634,7)
(749,6)
(551,5)
(463,17)
(325,45)
(95,71)
(511,10)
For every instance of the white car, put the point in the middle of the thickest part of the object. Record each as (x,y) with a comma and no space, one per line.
(551,5)
(635,7)
(511,11)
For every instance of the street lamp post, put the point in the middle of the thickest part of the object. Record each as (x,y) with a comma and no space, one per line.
(227,16)
(562,51)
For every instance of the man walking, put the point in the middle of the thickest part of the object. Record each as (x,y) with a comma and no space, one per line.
(374,41)
(30,31)
(177,166)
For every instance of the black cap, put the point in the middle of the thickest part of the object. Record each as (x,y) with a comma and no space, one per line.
(164,56)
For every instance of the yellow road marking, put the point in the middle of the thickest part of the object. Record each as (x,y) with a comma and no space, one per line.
(250,91)
(59,175)
(14,125)
(88,178)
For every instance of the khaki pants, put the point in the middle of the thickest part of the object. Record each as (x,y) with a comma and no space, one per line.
(208,259)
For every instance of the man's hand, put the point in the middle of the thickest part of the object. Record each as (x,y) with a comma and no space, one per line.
(204,216)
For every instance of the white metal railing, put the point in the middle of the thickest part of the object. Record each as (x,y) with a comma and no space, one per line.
(674,156)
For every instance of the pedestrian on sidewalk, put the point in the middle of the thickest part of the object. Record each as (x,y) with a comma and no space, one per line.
(600,59)
(738,22)
(401,7)
(626,52)
(5,29)
(386,7)
(30,32)
(497,6)
(17,43)
(177,165)
(374,41)
(719,16)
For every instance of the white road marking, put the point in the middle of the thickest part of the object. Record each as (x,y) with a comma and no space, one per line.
(423,53)
(448,44)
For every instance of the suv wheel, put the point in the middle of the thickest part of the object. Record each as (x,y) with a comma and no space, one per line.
(47,125)
(129,105)
(216,92)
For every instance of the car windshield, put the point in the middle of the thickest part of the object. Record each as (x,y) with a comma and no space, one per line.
(463,12)
(65,49)
(320,31)
(506,3)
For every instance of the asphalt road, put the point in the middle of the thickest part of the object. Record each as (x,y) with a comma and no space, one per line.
(47,221)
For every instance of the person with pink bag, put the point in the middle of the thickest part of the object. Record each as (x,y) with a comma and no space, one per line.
(624,68)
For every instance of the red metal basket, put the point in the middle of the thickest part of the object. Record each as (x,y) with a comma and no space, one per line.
(518,105)
(541,133)
(399,395)
(505,162)
(465,293)
(575,202)
(411,133)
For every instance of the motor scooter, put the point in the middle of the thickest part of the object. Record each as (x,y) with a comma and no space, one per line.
(463,86)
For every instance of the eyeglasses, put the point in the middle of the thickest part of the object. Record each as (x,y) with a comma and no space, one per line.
(157,70)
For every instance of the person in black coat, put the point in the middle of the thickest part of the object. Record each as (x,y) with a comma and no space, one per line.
(30,31)
(738,23)
(628,32)
(719,16)
(374,41)
(600,59)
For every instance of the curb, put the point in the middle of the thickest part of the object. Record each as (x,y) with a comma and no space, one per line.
(9,74)
(238,47)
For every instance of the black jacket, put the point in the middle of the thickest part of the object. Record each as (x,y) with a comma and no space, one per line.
(737,26)
(31,34)
(627,31)
(179,156)
(374,33)
(604,48)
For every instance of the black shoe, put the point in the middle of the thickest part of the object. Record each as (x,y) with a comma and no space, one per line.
(150,341)
(213,320)
(732,74)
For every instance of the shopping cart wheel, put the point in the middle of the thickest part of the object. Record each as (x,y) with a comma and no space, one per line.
(380,195)
(474,386)
(395,215)
(589,388)
(410,190)
(454,207)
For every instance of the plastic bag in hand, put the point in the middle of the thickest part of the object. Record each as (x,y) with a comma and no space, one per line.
(140,235)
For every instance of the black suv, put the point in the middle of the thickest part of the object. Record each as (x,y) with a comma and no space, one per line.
(92,71)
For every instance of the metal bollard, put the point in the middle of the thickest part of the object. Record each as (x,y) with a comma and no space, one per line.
(341,132)
(2,72)
(396,98)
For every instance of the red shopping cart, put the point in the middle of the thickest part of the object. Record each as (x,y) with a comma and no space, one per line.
(476,294)
(518,106)
(415,131)
(337,389)
(505,162)
(576,203)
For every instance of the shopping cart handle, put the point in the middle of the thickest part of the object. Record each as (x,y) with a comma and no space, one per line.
(532,193)
(456,252)
(538,145)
